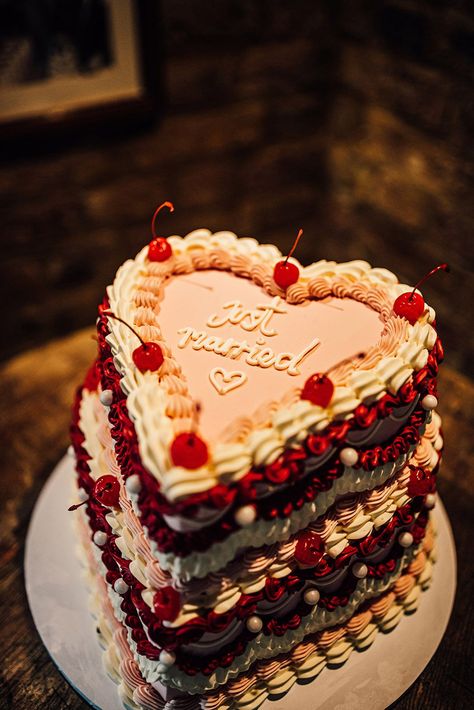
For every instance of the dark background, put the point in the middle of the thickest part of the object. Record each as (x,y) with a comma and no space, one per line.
(351,119)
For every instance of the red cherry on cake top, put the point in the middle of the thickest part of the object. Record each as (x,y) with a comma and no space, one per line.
(159,248)
(309,548)
(107,491)
(166,604)
(411,305)
(318,389)
(285,273)
(147,356)
(189,451)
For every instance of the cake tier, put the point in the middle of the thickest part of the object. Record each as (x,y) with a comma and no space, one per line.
(264,679)
(210,636)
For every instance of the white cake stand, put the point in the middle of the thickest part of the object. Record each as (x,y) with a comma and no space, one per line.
(59,603)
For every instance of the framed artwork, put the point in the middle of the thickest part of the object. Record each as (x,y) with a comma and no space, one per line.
(67,65)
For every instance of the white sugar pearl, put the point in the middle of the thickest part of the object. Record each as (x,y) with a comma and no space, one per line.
(245,515)
(429,402)
(120,586)
(359,570)
(82,495)
(100,538)
(133,484)
(349,456)
(311,596)
(161,668)
(70,450)
(167,658)
(254,624)
(430,501)
(405,539)
(106,397)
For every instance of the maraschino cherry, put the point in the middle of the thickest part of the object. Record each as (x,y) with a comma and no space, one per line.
(309,548)
(159,248)
(286,273)
(148,356)
(106,491)
(421,482)
(319,388)
(166,604)
(188,449)
(410,305)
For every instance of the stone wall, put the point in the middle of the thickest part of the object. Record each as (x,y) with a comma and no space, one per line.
(350,119)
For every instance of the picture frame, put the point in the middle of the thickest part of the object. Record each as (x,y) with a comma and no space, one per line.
(112,84)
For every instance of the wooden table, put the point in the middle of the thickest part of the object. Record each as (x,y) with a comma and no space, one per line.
(35,393)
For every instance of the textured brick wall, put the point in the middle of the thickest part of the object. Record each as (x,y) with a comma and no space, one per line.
(350,119)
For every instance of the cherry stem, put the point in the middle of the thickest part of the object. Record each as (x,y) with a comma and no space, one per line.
(295,244)
(440,267)
(359,356)
(112,315)
(170,206)
(78,505)
(194,423)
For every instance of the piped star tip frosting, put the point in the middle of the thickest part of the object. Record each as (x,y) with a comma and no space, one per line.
(287,504)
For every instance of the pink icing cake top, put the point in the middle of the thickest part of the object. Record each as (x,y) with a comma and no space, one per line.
(271,346)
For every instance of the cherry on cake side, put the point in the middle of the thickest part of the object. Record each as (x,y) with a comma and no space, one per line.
(148,356)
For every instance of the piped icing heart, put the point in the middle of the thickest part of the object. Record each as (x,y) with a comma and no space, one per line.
(224,381)
(214,307)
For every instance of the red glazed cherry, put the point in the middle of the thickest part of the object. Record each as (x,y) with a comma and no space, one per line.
(411,305)
(167,604)
(189,451)
(285,273)
(309,548)
(318,389)
(159,249)
(107,490)
(421,482)
(148,356)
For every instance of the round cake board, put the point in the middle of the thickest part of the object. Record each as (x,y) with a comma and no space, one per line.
(59,604)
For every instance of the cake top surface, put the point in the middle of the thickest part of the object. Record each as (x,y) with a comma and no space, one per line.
(243,351)
(244,347)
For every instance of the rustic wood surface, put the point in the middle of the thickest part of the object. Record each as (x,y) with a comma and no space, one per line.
(35,393)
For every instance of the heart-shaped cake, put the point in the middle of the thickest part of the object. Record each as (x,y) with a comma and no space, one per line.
(270,435)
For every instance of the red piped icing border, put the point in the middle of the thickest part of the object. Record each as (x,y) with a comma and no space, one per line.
(288,468)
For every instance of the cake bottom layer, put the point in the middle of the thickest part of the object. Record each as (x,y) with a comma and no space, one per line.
(266,678)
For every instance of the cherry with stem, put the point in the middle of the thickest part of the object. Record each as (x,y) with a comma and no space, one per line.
(148,355)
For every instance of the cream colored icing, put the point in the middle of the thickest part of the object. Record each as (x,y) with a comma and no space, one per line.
(161,405)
